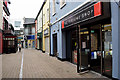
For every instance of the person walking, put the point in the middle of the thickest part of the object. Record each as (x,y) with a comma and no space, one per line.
(19,47)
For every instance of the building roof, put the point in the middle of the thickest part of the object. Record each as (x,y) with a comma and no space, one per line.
(7,1)
(29,20)
(40,9)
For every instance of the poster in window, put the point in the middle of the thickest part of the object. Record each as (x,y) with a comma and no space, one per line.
(108,36)
(75,56)
(106,45)
(94,42)
(83,44)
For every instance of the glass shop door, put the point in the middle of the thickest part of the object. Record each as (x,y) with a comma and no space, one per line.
(84,49)
(96,48)
(55,45)
(107,50)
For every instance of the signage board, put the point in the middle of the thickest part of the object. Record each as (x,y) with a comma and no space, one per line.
(46,32)
(83,15)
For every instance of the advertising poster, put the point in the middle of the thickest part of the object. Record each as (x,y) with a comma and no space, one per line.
(83,44)
(75,56)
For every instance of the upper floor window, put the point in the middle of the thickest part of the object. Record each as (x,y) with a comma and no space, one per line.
(33,30)
(26,31)
(48,14)
(62,3)
(53,10)
(43,19)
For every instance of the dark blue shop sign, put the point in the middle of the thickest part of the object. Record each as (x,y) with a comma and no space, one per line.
(83,15)
(31,37)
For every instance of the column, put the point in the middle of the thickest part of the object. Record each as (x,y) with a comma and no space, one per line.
(115,19)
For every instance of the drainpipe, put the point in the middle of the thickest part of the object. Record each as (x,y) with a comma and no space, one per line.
(42,30)
(50,28)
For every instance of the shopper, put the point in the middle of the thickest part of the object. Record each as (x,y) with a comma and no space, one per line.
(19,47)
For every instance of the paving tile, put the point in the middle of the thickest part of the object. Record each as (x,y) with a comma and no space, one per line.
(11,65)
(40,65)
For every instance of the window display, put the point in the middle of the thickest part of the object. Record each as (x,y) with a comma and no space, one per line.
(107,35)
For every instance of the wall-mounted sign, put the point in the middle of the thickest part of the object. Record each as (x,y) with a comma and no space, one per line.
(62,24)
(8,38)
(46,32)
(82,15)
(19,37)
(31,37)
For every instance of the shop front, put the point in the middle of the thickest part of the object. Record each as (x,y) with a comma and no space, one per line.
(30,42)
(89,38)
(96,48)
(10,44)
(20,40)
(39,41)
(55,40)
(47,40)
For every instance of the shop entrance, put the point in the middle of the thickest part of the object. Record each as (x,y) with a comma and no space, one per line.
(90,57)
(55,44)
(40,43)
(96,49)
(107,50)
(85,49)
(72,44)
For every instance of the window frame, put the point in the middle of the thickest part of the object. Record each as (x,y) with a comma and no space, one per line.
(62,5)
(43,19)
(48,15)
(53,8)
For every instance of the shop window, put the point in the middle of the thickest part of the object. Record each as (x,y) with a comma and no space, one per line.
(41,22)
(107,49)
(26,31)
(48,14)
(43,18)
(33,30)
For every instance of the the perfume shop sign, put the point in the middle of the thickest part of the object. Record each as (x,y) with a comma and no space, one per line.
(83,15)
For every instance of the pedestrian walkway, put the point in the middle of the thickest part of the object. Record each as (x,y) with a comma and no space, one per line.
(40,65)
(11,65)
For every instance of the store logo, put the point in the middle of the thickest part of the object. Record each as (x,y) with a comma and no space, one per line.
(62,24)
(97,9)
